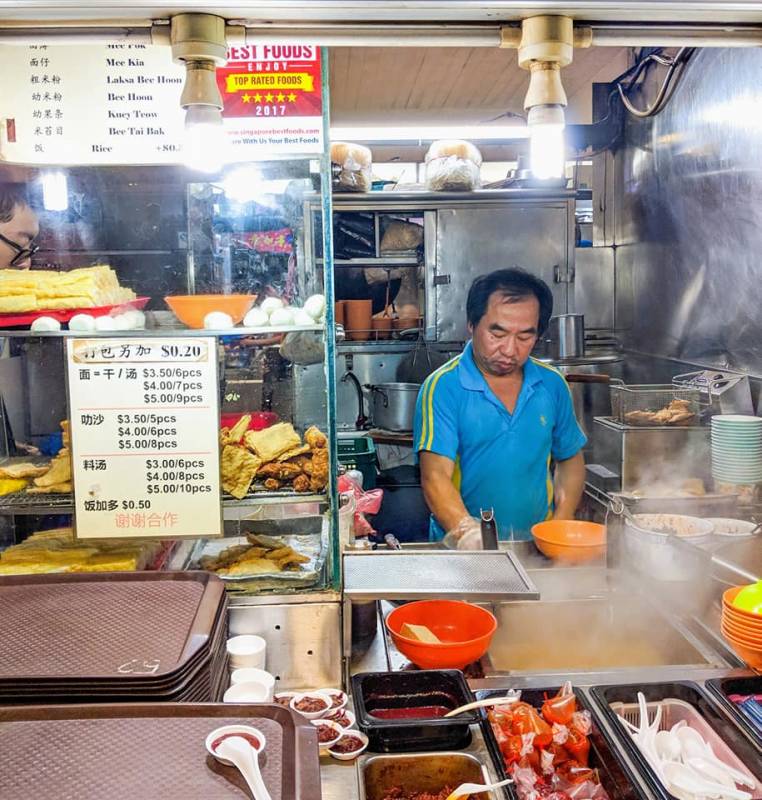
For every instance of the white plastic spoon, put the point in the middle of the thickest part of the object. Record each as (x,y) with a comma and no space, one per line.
(667,746)
(707,769)
(685,779)
(467,789)
(236,751)
(511,697)
(694,746)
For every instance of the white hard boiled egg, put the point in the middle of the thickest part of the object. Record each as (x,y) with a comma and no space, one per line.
(270,304)
(105,324)
(282,317)
(256,318)
(122,322)
(218,321)
(45,324)
(82,322)
(301,317)
(315,306)
(134,319)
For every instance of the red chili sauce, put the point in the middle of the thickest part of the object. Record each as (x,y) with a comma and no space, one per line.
(311,705)
(250,738)
(348,744)
(326,734)
(412,712)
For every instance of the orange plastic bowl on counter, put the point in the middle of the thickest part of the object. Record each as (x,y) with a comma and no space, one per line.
(192,308)
(464,630)
(571,540)
(729,607)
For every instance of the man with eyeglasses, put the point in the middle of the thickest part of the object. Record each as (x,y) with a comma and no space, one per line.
(19,227)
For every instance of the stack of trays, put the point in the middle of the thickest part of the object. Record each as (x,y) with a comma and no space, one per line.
(737,449)
(112,637)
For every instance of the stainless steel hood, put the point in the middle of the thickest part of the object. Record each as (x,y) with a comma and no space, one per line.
(138,12)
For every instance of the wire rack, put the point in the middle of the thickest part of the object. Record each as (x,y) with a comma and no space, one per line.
(632,404)
(23,503)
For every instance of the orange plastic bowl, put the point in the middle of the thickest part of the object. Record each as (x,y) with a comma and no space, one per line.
(741,622)
(571,540)
(751,654)
(464,630)
(750,635)
(192,308)
(728,596)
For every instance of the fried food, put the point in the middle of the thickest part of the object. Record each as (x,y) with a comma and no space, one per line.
(23,470)
(283,472)
(297,451)
(58,473)
(267,554)
(11,485)
(272,485)
(238,467)
(301,483)
(238,430)
(272,442)
(678,412)
(54,488)
(315,438)
(319,477)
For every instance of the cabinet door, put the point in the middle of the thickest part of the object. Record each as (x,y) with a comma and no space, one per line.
(472,241)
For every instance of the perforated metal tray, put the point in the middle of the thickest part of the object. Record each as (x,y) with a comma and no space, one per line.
(452,575)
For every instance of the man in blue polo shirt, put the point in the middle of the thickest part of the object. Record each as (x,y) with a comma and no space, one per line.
(489,422)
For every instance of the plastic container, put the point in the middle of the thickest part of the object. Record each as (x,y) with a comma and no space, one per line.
(682,700)
(573,541)
(464,630)
(724,689)
(247,651)
(359,452)
(358,315)
(444,690)
(615,776)
(259,420)
(420,772)
(191,309)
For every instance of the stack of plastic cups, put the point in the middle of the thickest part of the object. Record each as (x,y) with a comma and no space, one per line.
(250,682)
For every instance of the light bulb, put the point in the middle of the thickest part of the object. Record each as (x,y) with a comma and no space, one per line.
(205,144)
(547,151)
(55,191)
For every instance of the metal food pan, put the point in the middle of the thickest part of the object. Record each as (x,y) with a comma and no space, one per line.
(615,775)
(681,700)
(420,772)
(447,688)
(149,750)
(723,688)
(87,627)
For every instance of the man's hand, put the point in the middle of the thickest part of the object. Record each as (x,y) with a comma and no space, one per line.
(569,485)
(467,533)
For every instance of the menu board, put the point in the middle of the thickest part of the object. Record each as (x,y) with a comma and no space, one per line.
(120,103)
(144,437)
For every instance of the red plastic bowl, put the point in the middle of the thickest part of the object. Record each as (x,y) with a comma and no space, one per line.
(259,420)
(465,632)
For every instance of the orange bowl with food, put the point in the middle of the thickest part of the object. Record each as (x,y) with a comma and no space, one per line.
(571,540)
(454,633)
(192,308)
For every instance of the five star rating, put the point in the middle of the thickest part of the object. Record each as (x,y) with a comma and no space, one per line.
(269,98)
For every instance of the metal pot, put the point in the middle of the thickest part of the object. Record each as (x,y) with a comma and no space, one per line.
(393,405)
(663,556)
(565,337)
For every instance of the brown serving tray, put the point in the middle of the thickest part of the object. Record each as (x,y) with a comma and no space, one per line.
(149,751)
(88,627)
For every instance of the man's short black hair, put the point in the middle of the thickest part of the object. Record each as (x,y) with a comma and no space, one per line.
(514,284)
(11,196)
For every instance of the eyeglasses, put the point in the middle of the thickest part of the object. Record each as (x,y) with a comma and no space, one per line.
(22,253)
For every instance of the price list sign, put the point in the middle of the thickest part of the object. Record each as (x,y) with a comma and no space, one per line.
(144,420)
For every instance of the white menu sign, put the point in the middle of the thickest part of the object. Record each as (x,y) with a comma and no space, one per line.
(144,437)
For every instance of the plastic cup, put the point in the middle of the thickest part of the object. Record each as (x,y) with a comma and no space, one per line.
(247,651)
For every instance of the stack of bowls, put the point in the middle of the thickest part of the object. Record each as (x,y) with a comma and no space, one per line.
(737,449)
(742,622)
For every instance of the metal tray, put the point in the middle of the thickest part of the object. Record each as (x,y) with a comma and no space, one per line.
(722,688)
(149,751)
(312,543)
(447,688)
(420,772)
(615,775)
(88,627)
(687,694)
(486,576)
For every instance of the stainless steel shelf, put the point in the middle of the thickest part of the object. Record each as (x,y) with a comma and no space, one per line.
(390,262)
(21,503)
(158,333)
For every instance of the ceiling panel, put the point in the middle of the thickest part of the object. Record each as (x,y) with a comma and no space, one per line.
(381,85)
